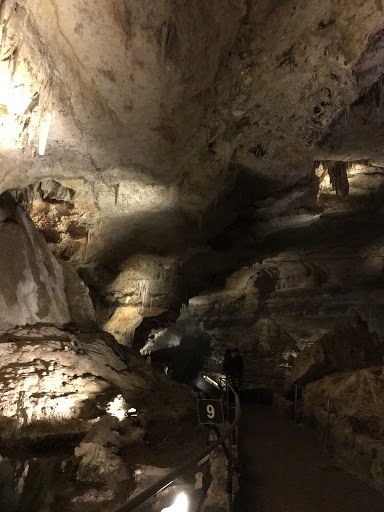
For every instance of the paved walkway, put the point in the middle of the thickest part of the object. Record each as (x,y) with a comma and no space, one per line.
(284,470)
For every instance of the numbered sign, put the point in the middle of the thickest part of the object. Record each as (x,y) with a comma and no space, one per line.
(210,411)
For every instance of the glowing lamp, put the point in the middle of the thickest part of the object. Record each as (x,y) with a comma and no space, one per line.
(118,408)
(180,504)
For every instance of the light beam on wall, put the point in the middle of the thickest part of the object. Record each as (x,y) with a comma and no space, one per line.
(15,96)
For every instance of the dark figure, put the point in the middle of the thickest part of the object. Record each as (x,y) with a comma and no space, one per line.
(236,370)
(227,363)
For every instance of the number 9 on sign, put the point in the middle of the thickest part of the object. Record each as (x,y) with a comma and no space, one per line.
(210,411)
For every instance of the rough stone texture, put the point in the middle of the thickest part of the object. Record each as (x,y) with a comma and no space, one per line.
(216,499)
(306,278)
(350,346)
(80,305)
(97,452)
(50,374)
(355,436)
(170,140)
(55,387)
(32,281)
(131,297)
(319,255)
(123,106)
(166,150)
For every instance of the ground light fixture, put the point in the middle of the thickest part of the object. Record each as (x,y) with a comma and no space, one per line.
(120,409)
(181,504)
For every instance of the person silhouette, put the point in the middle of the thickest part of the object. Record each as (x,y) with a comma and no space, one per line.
(227,364)
(236,370)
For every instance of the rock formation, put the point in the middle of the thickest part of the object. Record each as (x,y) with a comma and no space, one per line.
(187,176)
(350,346)
(354,434)
(75,404)
(32,288)
(174,151)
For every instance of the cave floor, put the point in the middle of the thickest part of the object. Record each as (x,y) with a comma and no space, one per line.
(284,470)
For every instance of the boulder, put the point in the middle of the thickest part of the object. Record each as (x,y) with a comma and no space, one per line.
(65,395)
(52,378)
(349,346)
(55,381)
(354,426)
(358,393)
(98,454)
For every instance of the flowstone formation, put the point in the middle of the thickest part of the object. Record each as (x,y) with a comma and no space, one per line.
(32,280)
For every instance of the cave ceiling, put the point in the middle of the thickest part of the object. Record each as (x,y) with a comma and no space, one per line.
(182,128)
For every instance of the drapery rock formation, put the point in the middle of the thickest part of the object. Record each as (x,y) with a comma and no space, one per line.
(32,280)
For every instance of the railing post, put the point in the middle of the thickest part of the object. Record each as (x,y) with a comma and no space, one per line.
(230,477)
(295,403)
(236,415)
(327,425)
(227,386)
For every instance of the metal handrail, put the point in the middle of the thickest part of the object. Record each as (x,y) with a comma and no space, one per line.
(328,401)
(326,398)
(180,470)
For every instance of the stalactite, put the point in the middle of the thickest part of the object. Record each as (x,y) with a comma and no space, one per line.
(338,175)
(164,276)
(90,237)
(45,125)
(143,289)
(374,98)
(116,189)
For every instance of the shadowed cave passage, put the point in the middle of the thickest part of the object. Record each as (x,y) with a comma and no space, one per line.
(177,179)
(184,362)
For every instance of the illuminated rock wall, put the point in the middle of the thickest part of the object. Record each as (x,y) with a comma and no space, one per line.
(32,281)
